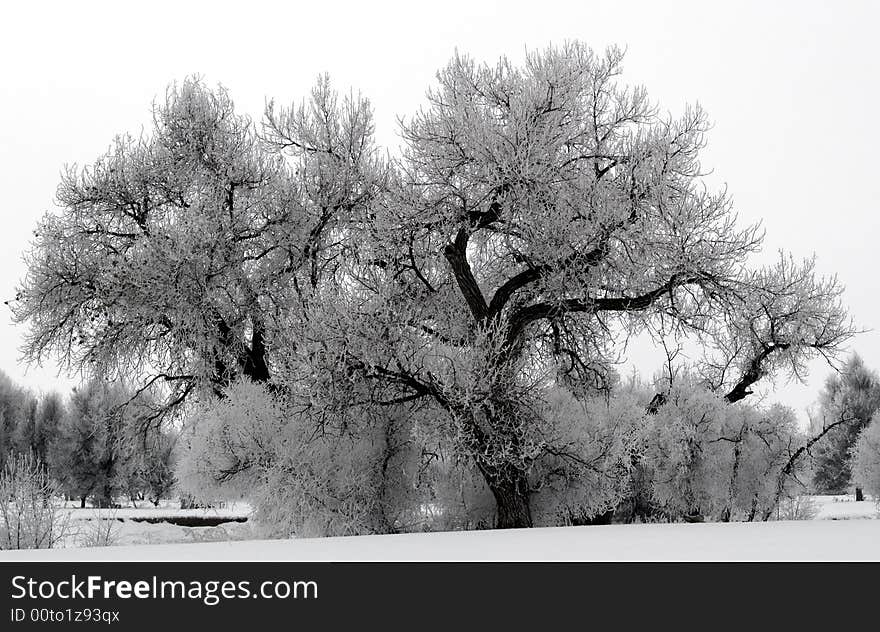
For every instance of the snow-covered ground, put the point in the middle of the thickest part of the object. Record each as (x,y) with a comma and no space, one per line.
(821,540)
(845,508)
(841,529)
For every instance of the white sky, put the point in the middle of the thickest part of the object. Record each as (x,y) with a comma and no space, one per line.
(791,86)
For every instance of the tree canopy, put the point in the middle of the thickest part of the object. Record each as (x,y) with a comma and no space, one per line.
(533,219)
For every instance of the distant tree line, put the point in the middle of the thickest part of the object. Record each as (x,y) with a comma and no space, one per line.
(97,443)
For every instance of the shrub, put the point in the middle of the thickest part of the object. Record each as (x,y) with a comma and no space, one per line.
(799,507)
(359,481)
(459,499)
(101,529)
(710,460)
(29,517)
(355,475)
(585,469)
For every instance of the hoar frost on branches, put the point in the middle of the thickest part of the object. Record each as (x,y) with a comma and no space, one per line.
(535,217)
(709,460)
(336,481)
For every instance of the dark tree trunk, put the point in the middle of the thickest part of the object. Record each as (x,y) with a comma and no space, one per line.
(859,494)
(731,490)
(512,495)
(82,502)
(513,507)
(255,366)
(222,374)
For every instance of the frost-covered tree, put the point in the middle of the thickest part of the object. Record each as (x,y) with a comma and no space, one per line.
(49,415)
(95,450)
(849,400)
(162,252)
(866,459)
(536,216)
(357,476)
(27,423)
(148,459)
(590,446)
(38,423)
(17,419)
(706,459)
(539,215)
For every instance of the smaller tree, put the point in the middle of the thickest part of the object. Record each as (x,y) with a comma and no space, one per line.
(148,462)
(87,455)
(708,459)
(16,419)
(26,434)
(49,415)
(850,398)
(866,459)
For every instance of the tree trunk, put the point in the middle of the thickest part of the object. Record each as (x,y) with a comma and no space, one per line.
(731,490)
(859,494)
(82,502)
(104,497)
(513,507)
(511,492)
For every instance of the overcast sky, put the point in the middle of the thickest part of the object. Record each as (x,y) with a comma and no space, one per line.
(792,88)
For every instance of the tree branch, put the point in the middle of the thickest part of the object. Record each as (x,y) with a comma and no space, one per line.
(524,278)
(456,255)
(753,373)
(792,461)
(538,311)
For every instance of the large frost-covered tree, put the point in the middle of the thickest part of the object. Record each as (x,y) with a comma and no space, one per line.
(540,214)
(536,216)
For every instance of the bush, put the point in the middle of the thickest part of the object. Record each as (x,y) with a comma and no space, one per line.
(228,445)
(29,517)
(102,529)
(360,481)
(585,470)
(797,508)
(459,499)
(710,460)
(354,476)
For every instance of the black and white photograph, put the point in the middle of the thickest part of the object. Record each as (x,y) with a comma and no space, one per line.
(459,281)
